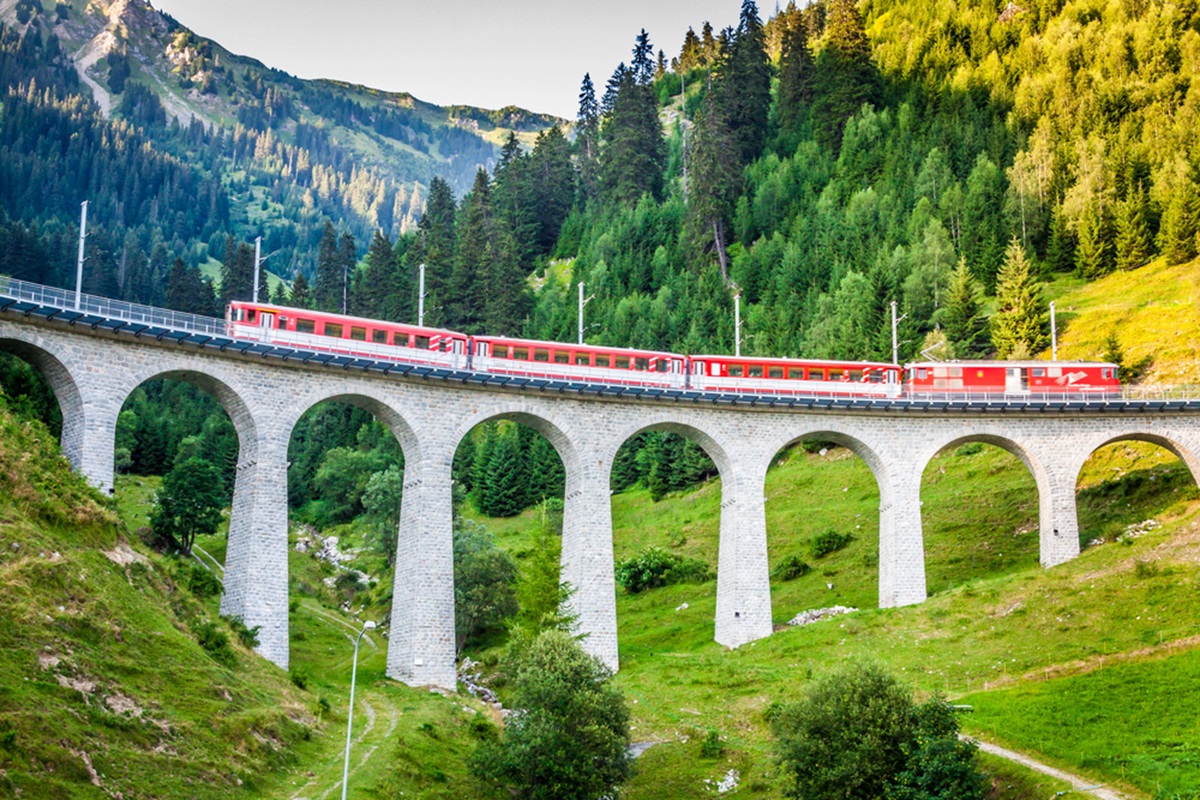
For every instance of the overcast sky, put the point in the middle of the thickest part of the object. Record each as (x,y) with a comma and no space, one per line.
(488,53)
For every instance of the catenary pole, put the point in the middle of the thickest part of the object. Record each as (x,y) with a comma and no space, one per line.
(421,296)
(79,265)
(1053,334)
(257,267)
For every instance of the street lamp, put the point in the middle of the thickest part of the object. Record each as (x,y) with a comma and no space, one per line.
(367,626)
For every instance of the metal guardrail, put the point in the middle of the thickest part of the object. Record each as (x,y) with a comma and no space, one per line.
(178,321)
(111,309)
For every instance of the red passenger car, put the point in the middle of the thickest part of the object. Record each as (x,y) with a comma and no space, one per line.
(795,376)
(581,362)
(337,333)
(1012,377)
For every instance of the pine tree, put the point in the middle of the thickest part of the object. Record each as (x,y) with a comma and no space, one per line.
(434,247)
(612,89)
(187,291)
(587,136)
(716,178)
(376,282)
(1094,253)
(1019,324)
(708,44)
(301,295)
(747,84)
(327,291)
(553,184)
(505,477)
(1060,250)
(983,222)
(962,319)
(1134,244)
(237,273)
(845,76)
(795,83)
(642,65)
(488,290)
(1177,230)
(634,153)
(691,54)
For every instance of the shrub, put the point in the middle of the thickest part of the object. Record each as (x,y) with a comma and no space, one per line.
(828,542)
(790,568)
(299,676)
(712,747)
(653,567)
(202,583)
(247,636)
(969,449)
(858,734)
(215,641)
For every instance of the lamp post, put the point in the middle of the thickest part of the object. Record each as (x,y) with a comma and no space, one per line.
(367,626)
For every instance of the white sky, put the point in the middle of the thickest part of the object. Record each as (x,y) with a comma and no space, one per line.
(485,53)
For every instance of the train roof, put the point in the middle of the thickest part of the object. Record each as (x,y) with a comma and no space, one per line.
(509,340)
(308,312)
(998,363)
(819,362)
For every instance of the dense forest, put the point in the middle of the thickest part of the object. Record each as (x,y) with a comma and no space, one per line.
(823,164)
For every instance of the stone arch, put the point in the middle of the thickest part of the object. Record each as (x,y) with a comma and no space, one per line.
(562,437)
(230,396)
(1171,443)
(1032,455)
(717,450)
(869,454)
(396,420)
(1181,447)
(61,374)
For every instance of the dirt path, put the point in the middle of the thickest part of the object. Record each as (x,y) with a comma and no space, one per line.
(1077,783)
(85,57)
(326,781)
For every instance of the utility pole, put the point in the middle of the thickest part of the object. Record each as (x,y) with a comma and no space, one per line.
(737,323)
(896,335)
(257,263)
(1053,334)
(79,266)
(421,297)
(582,303)
(683,130)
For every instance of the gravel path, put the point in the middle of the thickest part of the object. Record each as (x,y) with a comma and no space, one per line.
(1077,783)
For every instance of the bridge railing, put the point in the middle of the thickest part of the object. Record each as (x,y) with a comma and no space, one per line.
(110,309)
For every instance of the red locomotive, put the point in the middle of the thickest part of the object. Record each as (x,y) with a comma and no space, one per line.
(356,336)
(1012,377)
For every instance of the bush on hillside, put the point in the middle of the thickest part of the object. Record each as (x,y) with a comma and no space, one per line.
(653,567)
(569,738)
(790,568)
(829,542)
(858,734)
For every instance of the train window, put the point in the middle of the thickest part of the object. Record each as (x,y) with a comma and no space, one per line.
(283,323)
(775,372)
(521,353)
(358,334)
(333,329)
(663,365)
(736,371)
(541,354)
(583,359)
(816,374)
(641,364)
(795,373)
(305,326)
(621,362)
(922,374)
(1038,372)
(856,375)
(250,315)
(562,357)
(601,361)
(1106,373)
(875,377)
(756,371)
(379,336)
(422,343)
(836,374)
(499,351)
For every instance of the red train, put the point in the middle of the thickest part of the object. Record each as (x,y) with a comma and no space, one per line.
(346,335)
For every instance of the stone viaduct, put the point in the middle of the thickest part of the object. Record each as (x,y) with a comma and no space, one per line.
(93,370)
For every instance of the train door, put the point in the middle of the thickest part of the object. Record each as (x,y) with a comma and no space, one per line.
(1015,380)
(266,324)
(460,350)
(698,375)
